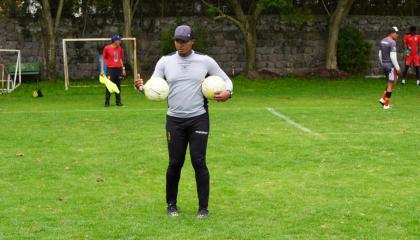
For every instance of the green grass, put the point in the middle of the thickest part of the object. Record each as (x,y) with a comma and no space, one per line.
(93,173)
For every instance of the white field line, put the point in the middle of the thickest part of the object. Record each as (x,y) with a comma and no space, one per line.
(290,121)
(368,133)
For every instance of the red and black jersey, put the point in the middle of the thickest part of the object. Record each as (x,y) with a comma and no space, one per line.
(412,42)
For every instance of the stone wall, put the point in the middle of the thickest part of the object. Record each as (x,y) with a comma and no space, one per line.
(282,47)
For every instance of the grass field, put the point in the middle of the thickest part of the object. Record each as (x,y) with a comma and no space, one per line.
(71,169)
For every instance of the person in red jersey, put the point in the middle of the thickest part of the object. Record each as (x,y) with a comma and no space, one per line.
(113,57)
(411,44)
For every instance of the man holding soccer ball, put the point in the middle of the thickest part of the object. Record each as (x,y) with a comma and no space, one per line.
(187,120)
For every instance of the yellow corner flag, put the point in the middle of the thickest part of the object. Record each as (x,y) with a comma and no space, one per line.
(112,88)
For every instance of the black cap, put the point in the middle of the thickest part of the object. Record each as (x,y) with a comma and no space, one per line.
(183,32)
(393,29)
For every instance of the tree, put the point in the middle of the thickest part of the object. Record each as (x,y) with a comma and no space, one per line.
(247,21)
(49,27)
(335,20)
(10,6)
(129,9)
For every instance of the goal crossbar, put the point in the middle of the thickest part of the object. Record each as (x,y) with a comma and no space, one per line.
(66,68)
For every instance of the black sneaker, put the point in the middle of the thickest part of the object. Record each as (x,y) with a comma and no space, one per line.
(203,213)
(172,211)
(106,105)
(120,104)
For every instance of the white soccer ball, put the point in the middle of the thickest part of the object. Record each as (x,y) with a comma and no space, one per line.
(156,89)
(211,85)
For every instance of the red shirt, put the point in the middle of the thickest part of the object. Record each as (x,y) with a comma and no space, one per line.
(412,41)
(113,56)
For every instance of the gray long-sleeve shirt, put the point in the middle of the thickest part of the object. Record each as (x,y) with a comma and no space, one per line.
(388,53)
(185,76)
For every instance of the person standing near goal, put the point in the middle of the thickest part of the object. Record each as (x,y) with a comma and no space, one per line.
(389,61)
(412,43)
(112,56)
(187,121)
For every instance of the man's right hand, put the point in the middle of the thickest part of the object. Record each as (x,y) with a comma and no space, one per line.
(139,83)
(399,71)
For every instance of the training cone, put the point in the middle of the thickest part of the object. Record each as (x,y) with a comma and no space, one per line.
(112,88)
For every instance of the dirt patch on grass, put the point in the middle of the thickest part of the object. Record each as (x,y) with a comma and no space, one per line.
(328,74)
(262,74)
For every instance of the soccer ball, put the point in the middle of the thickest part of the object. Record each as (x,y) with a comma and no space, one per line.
(211,85)
(156,89)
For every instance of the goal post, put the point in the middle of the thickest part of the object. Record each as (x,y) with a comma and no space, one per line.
(10,78)
(65,57)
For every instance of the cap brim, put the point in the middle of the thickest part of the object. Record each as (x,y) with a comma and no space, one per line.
(183,38)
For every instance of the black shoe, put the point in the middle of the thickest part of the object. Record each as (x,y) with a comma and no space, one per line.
(172,210)
(203,213)
(106,104)
(120,104)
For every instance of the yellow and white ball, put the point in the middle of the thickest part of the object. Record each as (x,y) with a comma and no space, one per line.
(156,89)
(211,85)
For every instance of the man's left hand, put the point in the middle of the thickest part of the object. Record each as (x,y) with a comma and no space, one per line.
(222,96)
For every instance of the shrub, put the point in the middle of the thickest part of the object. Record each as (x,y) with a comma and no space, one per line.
(353,51)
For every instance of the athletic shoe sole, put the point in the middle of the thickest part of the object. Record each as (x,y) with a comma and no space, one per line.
(381,102)
(173,214)
(202,214)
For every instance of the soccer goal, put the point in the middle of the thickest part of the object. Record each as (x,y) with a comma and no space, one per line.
(10,74)
(102,40)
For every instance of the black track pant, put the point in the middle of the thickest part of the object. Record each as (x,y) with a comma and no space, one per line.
(114,75)
(181,132)
(405,73)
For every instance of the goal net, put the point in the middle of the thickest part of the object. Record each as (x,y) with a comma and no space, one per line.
(70,60)
(10,70)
